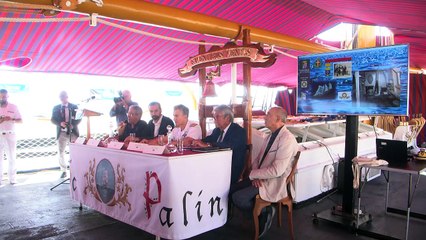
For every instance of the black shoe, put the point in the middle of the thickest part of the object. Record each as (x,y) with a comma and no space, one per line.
(268,215)
(64,175)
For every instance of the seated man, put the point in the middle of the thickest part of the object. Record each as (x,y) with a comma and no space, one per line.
(184,128)
(134,125)
(158,124)
(269,170)
(227,134)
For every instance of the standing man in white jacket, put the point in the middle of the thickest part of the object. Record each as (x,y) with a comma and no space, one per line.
(270,169)
(9,115)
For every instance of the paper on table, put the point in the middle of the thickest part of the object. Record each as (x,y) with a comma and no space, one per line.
(136,146)
(151,149)
(115,145)
(80,140)
(93,142)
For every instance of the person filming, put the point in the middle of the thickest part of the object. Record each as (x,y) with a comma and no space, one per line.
(121,106)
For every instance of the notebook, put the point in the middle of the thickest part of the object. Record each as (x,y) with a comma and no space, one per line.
(393,151)
(209,149)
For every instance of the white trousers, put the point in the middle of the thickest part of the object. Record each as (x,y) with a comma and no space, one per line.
(8,146)
(63,141)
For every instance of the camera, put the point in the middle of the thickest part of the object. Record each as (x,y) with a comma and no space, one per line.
(119,98)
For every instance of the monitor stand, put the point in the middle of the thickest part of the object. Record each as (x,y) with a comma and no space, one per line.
(344,215)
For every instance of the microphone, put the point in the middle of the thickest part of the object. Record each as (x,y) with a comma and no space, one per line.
(88,99)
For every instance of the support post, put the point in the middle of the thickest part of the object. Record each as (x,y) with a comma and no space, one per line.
(202,103)
(351,150)
(247,90)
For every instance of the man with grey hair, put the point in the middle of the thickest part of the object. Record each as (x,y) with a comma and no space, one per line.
(63,116)
(185,129)
(134,129)
(227,134)
(269,170)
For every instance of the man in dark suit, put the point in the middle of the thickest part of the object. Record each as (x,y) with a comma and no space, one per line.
(63,116)
(227,135)
(134,129)
(158,124)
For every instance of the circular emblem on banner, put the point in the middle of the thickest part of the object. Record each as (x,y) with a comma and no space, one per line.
(105,180)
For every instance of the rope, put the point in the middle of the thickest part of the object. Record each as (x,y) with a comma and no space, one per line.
(157,35)
(111,24)
(284,53)
(80,19)
(44,20)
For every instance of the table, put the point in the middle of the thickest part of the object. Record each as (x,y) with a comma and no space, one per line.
(170,196)
(413,167)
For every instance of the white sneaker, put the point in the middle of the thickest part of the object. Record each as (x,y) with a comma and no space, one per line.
(12,182)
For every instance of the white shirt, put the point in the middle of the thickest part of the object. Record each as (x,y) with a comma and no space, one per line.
(193,132)
(157,125)
(11,111)
(224,133)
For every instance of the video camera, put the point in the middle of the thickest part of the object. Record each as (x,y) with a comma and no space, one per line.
(119,98)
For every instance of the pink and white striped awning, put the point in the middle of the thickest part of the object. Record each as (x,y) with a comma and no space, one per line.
(75,47)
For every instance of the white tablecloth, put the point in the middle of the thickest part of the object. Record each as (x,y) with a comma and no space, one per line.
(174,197)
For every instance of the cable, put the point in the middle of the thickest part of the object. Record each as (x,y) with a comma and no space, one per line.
(374,127)
(325,167)
(328,150)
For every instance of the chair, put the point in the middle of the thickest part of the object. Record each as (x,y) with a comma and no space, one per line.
(243,175)
(288,201)
(247,164)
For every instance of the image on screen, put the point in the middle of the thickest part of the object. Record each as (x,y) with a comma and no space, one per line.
(370,81)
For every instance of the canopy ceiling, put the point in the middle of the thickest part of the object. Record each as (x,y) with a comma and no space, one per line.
(75,47)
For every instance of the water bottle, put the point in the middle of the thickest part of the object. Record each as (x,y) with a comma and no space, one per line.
(169,134)
(111,130)
(170,146)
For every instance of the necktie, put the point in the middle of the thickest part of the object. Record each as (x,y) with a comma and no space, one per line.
(220,136)
(67,114)
(63,113)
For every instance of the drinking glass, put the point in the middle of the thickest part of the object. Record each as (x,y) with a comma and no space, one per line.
(171,148)
(132,137)
(160,140)
(180,145)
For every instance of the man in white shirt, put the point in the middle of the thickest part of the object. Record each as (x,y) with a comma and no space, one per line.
(9,115)
(184,128)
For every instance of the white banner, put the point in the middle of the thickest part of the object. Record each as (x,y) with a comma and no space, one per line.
(174,197)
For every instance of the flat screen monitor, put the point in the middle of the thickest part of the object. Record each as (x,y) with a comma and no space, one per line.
(367,81)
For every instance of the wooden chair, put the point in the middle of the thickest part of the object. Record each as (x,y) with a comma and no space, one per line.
(247,164)
(288,201)
(244,174)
